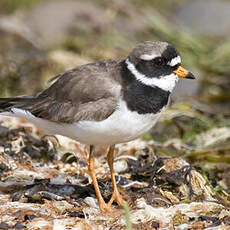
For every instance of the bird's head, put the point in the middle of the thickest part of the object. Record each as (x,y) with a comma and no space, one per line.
(157,64)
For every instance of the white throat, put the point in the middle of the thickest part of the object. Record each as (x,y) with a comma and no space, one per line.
(166,83)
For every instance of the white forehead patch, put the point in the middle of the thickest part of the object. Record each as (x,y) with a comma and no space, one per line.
(148,57)
(175,61)
(166,83)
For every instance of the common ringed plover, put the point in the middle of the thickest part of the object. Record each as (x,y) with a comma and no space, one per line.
(106,102)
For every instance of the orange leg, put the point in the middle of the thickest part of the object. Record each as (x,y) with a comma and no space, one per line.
(102,205)
(116,195)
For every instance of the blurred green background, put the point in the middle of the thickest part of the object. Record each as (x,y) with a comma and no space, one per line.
(40,38)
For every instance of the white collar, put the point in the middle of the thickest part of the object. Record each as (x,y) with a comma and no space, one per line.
(166,83)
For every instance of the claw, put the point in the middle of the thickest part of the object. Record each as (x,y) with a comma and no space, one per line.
(104,207)
(115,197)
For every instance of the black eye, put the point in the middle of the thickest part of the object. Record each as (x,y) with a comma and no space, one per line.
(158,61)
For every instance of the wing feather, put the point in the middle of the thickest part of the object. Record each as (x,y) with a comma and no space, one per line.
(89,92)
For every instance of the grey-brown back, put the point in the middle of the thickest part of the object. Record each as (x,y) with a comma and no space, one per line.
(88,92)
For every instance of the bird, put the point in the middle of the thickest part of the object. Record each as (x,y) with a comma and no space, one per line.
(105,103)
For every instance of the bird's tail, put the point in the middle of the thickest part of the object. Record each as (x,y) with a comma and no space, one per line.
(7,104)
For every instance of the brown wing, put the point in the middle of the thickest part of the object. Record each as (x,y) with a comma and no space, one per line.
(89,92)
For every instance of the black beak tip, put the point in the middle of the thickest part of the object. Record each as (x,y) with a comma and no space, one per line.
(190,76)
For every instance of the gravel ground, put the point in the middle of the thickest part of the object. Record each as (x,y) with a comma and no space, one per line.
(44,185)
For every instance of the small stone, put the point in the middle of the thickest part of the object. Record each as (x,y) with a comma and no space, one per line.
(155,224)
(18,226)
(29,217)
(226,220)
(4,226)
(91,202)
(3,131)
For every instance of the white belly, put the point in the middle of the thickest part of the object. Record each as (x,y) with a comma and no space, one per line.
(121,126)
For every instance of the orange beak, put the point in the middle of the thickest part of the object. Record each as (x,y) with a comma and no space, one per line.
(183,73)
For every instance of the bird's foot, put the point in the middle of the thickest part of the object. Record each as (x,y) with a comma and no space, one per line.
(104,207)
(115,197)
